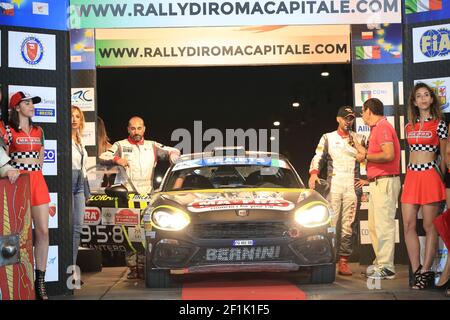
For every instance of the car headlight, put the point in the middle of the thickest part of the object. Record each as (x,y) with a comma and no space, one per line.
(313,214)
(169,218)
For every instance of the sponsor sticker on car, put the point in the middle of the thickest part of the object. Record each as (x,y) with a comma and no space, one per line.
(92,216)
(259,253)
(236,204)
(127,217)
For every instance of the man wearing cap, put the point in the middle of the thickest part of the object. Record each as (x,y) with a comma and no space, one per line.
(139,158)
(336,150)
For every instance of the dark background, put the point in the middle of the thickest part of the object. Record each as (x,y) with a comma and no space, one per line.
(228,98)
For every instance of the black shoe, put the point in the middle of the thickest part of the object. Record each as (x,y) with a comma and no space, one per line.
(446,285)
(424,280)
(39,285)
(413,276)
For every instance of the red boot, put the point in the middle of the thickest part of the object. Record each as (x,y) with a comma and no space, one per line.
(343,268)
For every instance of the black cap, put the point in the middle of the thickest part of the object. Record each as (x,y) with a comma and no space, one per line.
(346,111)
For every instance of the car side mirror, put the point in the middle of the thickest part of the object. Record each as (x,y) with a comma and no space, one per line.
(117,191)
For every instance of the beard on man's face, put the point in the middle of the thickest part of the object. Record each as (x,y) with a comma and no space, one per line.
(136,137)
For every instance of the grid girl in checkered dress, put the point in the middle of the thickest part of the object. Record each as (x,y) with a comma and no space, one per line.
(25,143)
(423,188)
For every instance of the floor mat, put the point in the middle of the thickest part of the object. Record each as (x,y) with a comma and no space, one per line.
(242,290)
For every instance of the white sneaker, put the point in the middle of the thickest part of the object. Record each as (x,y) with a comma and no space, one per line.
(382,273)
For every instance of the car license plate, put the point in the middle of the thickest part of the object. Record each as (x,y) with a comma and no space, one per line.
(243,243)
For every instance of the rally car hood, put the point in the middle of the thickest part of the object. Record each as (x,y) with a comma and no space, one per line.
(275,200)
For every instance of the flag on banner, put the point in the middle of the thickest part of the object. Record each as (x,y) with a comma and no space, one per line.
(367,52)
(414,6)
(367,35)
(396,54)
(6,9)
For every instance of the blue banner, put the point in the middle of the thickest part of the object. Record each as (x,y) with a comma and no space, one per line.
(426,10)
(377,46)
(82,49)
(42,14)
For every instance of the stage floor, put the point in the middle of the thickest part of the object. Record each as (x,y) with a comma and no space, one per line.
(112,284)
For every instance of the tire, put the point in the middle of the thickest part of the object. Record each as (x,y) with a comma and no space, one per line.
(158,278)
(323,274)
(89,260)
(113,259)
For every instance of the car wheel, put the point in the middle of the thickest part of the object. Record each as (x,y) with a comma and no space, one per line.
(158,279)
(323,274)
(89,260)
(113,259)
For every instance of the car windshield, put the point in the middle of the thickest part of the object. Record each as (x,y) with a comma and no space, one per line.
(207,174)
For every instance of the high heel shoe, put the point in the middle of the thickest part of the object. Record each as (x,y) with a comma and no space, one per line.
(446,285)
(424,280)
(412,279)
(39,285)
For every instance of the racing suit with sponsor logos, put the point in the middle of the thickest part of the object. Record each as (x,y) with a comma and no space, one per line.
(142,158)
(334,151)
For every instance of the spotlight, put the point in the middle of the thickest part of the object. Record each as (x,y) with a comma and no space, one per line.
(325,74)
(276,123)
(296,104)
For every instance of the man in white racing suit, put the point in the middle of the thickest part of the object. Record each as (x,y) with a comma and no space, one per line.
(139,158)
(336,150)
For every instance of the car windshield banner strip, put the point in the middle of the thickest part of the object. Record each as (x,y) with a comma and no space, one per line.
(220,161)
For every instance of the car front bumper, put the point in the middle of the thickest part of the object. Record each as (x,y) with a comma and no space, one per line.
(182,254)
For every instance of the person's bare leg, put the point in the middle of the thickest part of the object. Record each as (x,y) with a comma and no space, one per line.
(409,215)
(430,212)
(40,220)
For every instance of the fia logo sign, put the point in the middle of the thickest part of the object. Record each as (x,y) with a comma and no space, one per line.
(435,43)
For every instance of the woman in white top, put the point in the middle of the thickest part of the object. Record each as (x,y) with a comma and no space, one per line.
(79,158)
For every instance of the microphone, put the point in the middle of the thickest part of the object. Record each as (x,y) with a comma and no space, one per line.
(350,137)
(363,141)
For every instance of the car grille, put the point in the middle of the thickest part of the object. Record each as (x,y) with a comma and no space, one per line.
(242,230)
